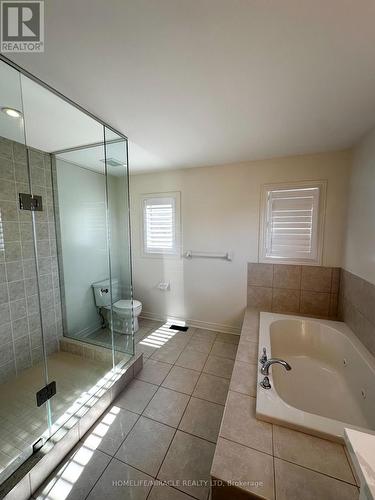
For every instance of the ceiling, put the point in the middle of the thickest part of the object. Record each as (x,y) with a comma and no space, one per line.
(207,82)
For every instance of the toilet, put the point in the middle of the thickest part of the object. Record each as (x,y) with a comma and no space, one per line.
(123,310)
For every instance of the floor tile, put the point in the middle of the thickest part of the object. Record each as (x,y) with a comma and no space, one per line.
(76,476)
(167,354)
(146,445)
(212,388)
(192,359)
(188,458)
(312,452)
(111,430)
(154,372)
(181,379)
(231,338)
(252,468)
(164,492)
(202,418)
(113,483)
(291,480)
(244,378)
(179,340)
(149,323)
(222,367)
(136,396)
(200,345)
(224,349)
(240,424)
(200,333)
(167,406)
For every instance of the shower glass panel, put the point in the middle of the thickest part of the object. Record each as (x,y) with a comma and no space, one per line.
(94,238)
(71,244)
(84,252)
(23,369)
(64,265)
(116,159)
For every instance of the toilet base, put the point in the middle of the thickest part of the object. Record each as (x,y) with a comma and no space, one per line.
(121,325)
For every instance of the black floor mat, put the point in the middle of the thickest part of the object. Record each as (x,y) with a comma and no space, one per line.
(179,328)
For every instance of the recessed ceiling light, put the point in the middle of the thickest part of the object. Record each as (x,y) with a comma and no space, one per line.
(14,113)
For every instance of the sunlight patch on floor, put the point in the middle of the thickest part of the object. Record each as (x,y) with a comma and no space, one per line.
(162,335)
(60,487)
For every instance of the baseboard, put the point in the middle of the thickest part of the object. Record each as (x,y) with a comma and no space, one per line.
(217,327)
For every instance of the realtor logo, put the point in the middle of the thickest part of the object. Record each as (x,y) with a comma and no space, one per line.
(22,26)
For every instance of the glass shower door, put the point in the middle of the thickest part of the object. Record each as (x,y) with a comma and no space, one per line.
(66,307)
(23,369)
(71,246)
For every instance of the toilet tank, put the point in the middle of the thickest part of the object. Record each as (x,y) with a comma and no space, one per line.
(102,292)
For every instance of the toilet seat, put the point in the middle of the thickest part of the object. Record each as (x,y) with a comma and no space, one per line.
(127,304)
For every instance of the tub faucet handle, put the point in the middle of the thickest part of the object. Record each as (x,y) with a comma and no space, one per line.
(265,383)
(264,358)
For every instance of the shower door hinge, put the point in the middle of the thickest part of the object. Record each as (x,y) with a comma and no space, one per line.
(45,393)
(30,202)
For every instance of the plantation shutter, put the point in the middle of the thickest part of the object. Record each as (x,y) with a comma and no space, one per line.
(292,223)
(159,224)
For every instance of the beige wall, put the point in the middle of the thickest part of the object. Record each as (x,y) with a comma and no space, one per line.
(220,212)
(360,237)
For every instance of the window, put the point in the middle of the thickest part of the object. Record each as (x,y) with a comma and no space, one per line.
(292,218)
(161,224)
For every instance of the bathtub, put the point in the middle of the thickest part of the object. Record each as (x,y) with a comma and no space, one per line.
(332,382)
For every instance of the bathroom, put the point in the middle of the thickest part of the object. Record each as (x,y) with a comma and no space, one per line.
(187,276)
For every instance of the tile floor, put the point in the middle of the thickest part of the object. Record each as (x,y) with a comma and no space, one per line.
(21,421)
(158,439)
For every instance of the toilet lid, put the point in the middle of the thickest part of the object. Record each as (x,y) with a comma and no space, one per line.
(127,304)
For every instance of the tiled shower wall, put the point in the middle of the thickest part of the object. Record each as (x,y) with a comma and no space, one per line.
(357,307)
(307,290)
(20,325)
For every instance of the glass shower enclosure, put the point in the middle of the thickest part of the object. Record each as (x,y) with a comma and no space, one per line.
(66,316)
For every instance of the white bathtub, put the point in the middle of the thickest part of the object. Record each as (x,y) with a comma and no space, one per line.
(332,382)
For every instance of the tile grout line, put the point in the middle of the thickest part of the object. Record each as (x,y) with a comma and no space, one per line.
(273,462)
(6,274)
(316,471)
(182,416)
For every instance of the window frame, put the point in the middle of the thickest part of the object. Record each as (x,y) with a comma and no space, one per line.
(264,216)
(176,196)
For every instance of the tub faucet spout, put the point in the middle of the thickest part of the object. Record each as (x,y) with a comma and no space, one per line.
(266,367)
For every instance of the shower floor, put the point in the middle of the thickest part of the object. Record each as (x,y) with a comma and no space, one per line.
(21,421)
